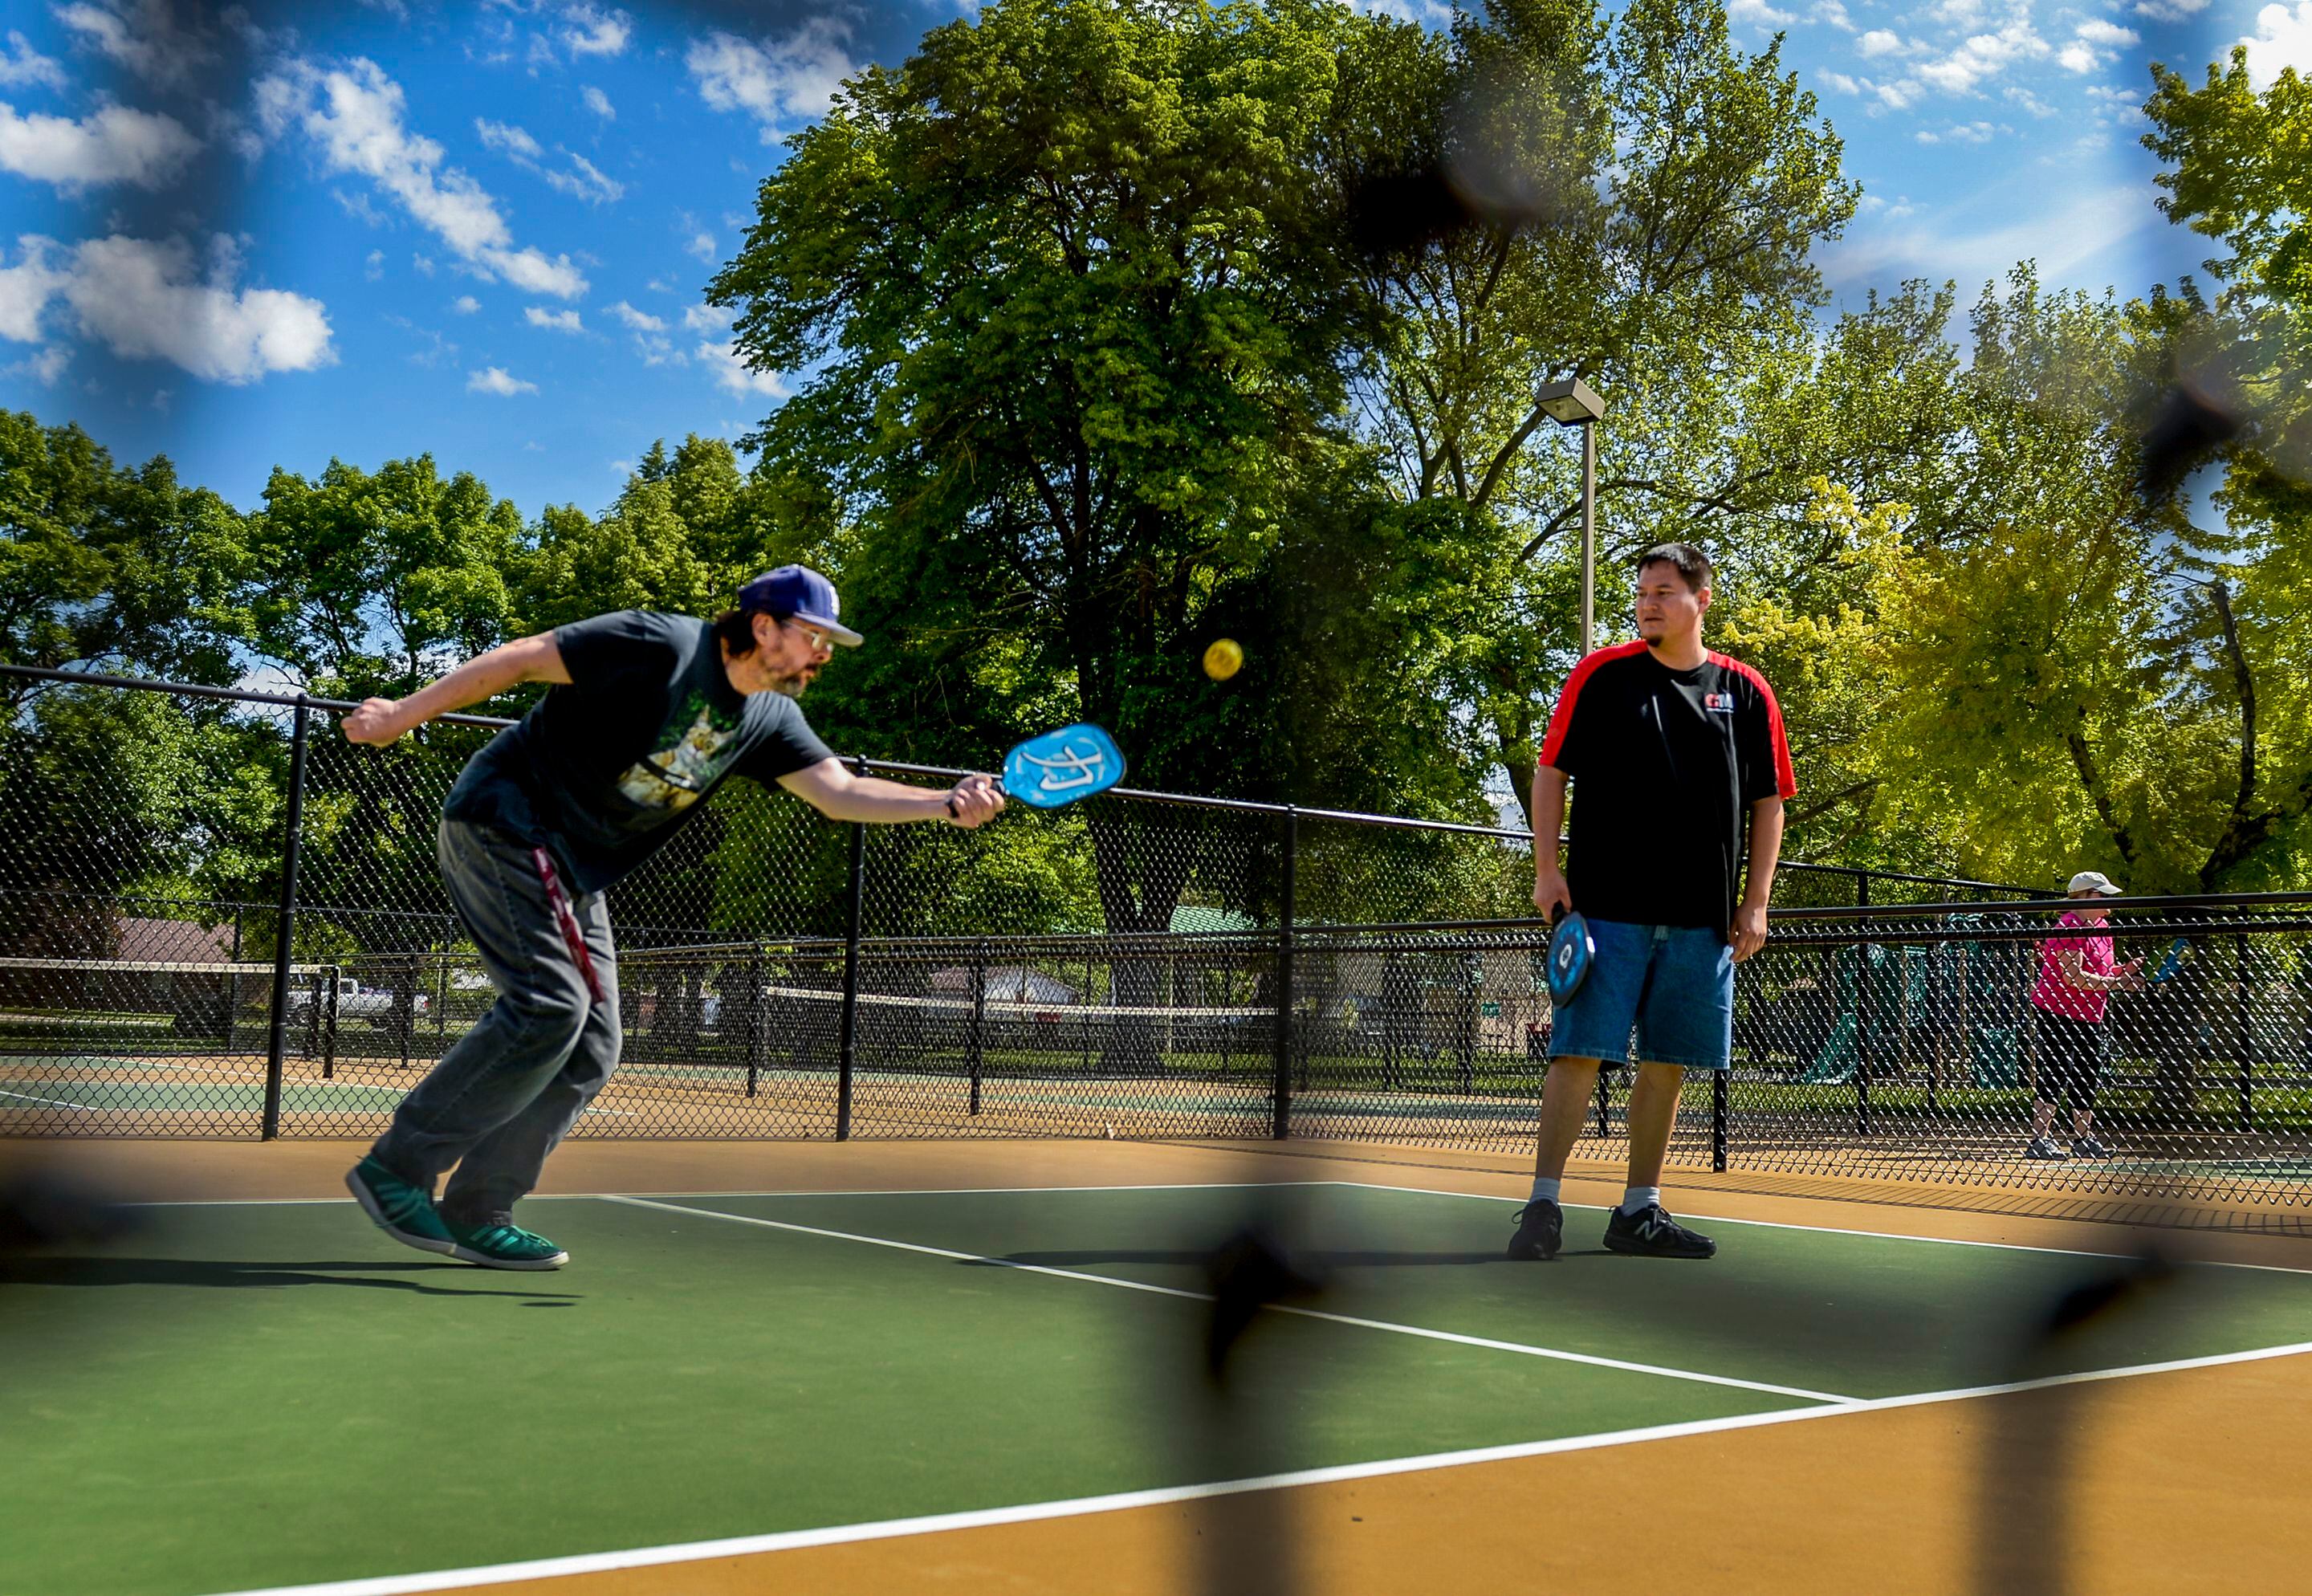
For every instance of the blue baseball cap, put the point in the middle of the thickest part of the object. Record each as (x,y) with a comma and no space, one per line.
(799,591)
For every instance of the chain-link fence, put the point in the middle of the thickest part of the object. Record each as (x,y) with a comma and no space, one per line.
(219,918)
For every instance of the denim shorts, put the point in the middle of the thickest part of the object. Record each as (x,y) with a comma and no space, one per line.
(1672,984)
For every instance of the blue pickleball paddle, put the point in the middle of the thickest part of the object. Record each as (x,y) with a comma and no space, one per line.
(1062,766)
(1571,949)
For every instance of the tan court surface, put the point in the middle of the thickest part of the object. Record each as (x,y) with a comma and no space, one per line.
(2190,1478)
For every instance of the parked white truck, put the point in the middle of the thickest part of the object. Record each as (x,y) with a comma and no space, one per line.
(354,1001)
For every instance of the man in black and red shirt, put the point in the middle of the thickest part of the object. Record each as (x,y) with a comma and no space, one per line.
(1679,770)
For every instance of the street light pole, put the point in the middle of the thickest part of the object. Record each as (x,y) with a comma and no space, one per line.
(1588,536)
(1573,403)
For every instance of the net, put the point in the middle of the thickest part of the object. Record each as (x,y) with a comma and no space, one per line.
(991,1034)
(114,1007)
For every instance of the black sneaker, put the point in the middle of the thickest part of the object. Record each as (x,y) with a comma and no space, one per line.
(1651,1233)
(1541,1230)
(2088,1147)
(2045,1148)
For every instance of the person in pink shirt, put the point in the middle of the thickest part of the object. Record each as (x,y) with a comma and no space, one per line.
(2077,975)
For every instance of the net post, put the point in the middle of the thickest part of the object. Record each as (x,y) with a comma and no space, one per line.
(1720,1094)
(975,1051)
(270,1123)
(325,1024)
(1605,1100)
(847,1040)
(1280,1125)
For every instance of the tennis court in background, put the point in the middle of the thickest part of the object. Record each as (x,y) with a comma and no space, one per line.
(247,1396)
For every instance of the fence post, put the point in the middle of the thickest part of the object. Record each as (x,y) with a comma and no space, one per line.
(1865,1009)
(975,1053)
(1720,1094)
(269,1124)
(847,1045)
(2246,1039)
(758,1018)
(1281,1118)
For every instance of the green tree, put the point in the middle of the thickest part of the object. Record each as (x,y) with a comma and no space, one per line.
(1071,338)
(367,584)
(106,567)
(1644,200)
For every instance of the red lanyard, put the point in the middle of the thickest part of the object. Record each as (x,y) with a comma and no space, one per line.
(567,917)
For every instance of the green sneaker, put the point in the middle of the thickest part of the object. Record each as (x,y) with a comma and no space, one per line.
(501,1244)
(402,1211)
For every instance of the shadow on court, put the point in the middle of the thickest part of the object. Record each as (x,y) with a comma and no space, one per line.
(225,1274)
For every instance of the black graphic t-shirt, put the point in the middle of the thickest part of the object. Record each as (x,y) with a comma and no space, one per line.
(606,769)
(1665,764)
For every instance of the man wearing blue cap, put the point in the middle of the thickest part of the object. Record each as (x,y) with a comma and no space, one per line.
(645,715)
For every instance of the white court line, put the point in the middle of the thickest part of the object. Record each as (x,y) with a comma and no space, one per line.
(1198,1296)
(53,1103)
(590,1196)
(1829,1230)
(411,1584)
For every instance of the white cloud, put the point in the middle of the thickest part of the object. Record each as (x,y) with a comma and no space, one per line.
(2096,43)
(2171,10)
(599,103)
(1982,55)
(1757,11)
(639,320)
(596,32)
(778,83)
(584,179)
(554,321)
(733,375)
(702,244)
(112,144)
(141,35)
(706,318)
(43,366)
(422,264)
(26,288)
(2017,94)
(1840,82)
(2076,236)
(22,65)
(373,268)
(494,379)
(465,304)
(353,115)
(1834,14)
(506,137)
(2283,39)
(1876,43)
(149,299)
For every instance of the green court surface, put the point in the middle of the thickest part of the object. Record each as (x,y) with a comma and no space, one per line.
(240,1396)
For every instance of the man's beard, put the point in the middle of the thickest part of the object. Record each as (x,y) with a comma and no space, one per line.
(792,686)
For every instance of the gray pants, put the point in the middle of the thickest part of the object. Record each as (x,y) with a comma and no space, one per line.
(506,1094)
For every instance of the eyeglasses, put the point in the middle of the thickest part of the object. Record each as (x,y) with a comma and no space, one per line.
(818,639)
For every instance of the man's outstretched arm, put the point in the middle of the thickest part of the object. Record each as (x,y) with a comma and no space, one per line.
(840,793)
(379,721)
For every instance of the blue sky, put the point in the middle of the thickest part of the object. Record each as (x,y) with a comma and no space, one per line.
(263,236)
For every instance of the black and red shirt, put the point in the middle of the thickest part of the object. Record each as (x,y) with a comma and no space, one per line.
(1664,766)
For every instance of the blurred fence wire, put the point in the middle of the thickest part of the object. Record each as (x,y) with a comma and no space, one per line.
(218,918)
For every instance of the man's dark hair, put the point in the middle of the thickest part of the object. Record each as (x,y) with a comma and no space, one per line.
(1691,562)
(736,629)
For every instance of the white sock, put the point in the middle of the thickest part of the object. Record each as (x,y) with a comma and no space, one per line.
(1544,1190)
(1637,1200)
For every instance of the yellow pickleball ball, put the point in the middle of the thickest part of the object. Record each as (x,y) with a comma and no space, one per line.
(1223,659)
